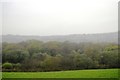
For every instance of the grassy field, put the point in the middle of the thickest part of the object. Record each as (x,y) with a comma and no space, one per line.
(98,73)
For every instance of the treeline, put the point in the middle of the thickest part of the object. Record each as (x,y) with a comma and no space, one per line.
(35,55)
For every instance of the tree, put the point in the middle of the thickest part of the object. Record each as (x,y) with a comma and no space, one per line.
(109,57)
(52,62)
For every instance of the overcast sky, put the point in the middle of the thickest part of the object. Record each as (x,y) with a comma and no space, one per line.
(58,17)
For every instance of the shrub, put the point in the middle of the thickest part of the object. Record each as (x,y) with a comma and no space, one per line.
(18,65)
(7,65)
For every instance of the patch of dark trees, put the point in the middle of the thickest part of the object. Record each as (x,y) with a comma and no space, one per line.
(35,55)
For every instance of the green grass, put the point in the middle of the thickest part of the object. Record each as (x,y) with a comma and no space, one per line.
(97,73)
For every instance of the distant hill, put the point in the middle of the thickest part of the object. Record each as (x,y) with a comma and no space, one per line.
(78,38)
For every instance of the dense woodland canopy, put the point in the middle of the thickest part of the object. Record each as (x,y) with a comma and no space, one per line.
(36,55)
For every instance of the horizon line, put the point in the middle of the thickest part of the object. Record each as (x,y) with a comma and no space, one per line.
(59,34)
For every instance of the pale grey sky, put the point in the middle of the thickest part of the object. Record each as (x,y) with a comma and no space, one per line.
(59,17)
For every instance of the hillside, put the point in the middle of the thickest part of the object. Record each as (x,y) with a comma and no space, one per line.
(78,38)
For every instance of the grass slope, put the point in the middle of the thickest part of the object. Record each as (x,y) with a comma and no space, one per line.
(97,73)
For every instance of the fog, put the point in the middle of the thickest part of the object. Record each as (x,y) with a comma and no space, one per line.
(58,17)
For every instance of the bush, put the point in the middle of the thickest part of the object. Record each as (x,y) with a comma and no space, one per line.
(7,65)
(18,65)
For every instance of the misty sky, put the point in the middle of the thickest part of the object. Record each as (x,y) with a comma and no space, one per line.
(58,17)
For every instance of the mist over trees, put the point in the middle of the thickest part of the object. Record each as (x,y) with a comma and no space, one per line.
(34,55)
(76,38)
